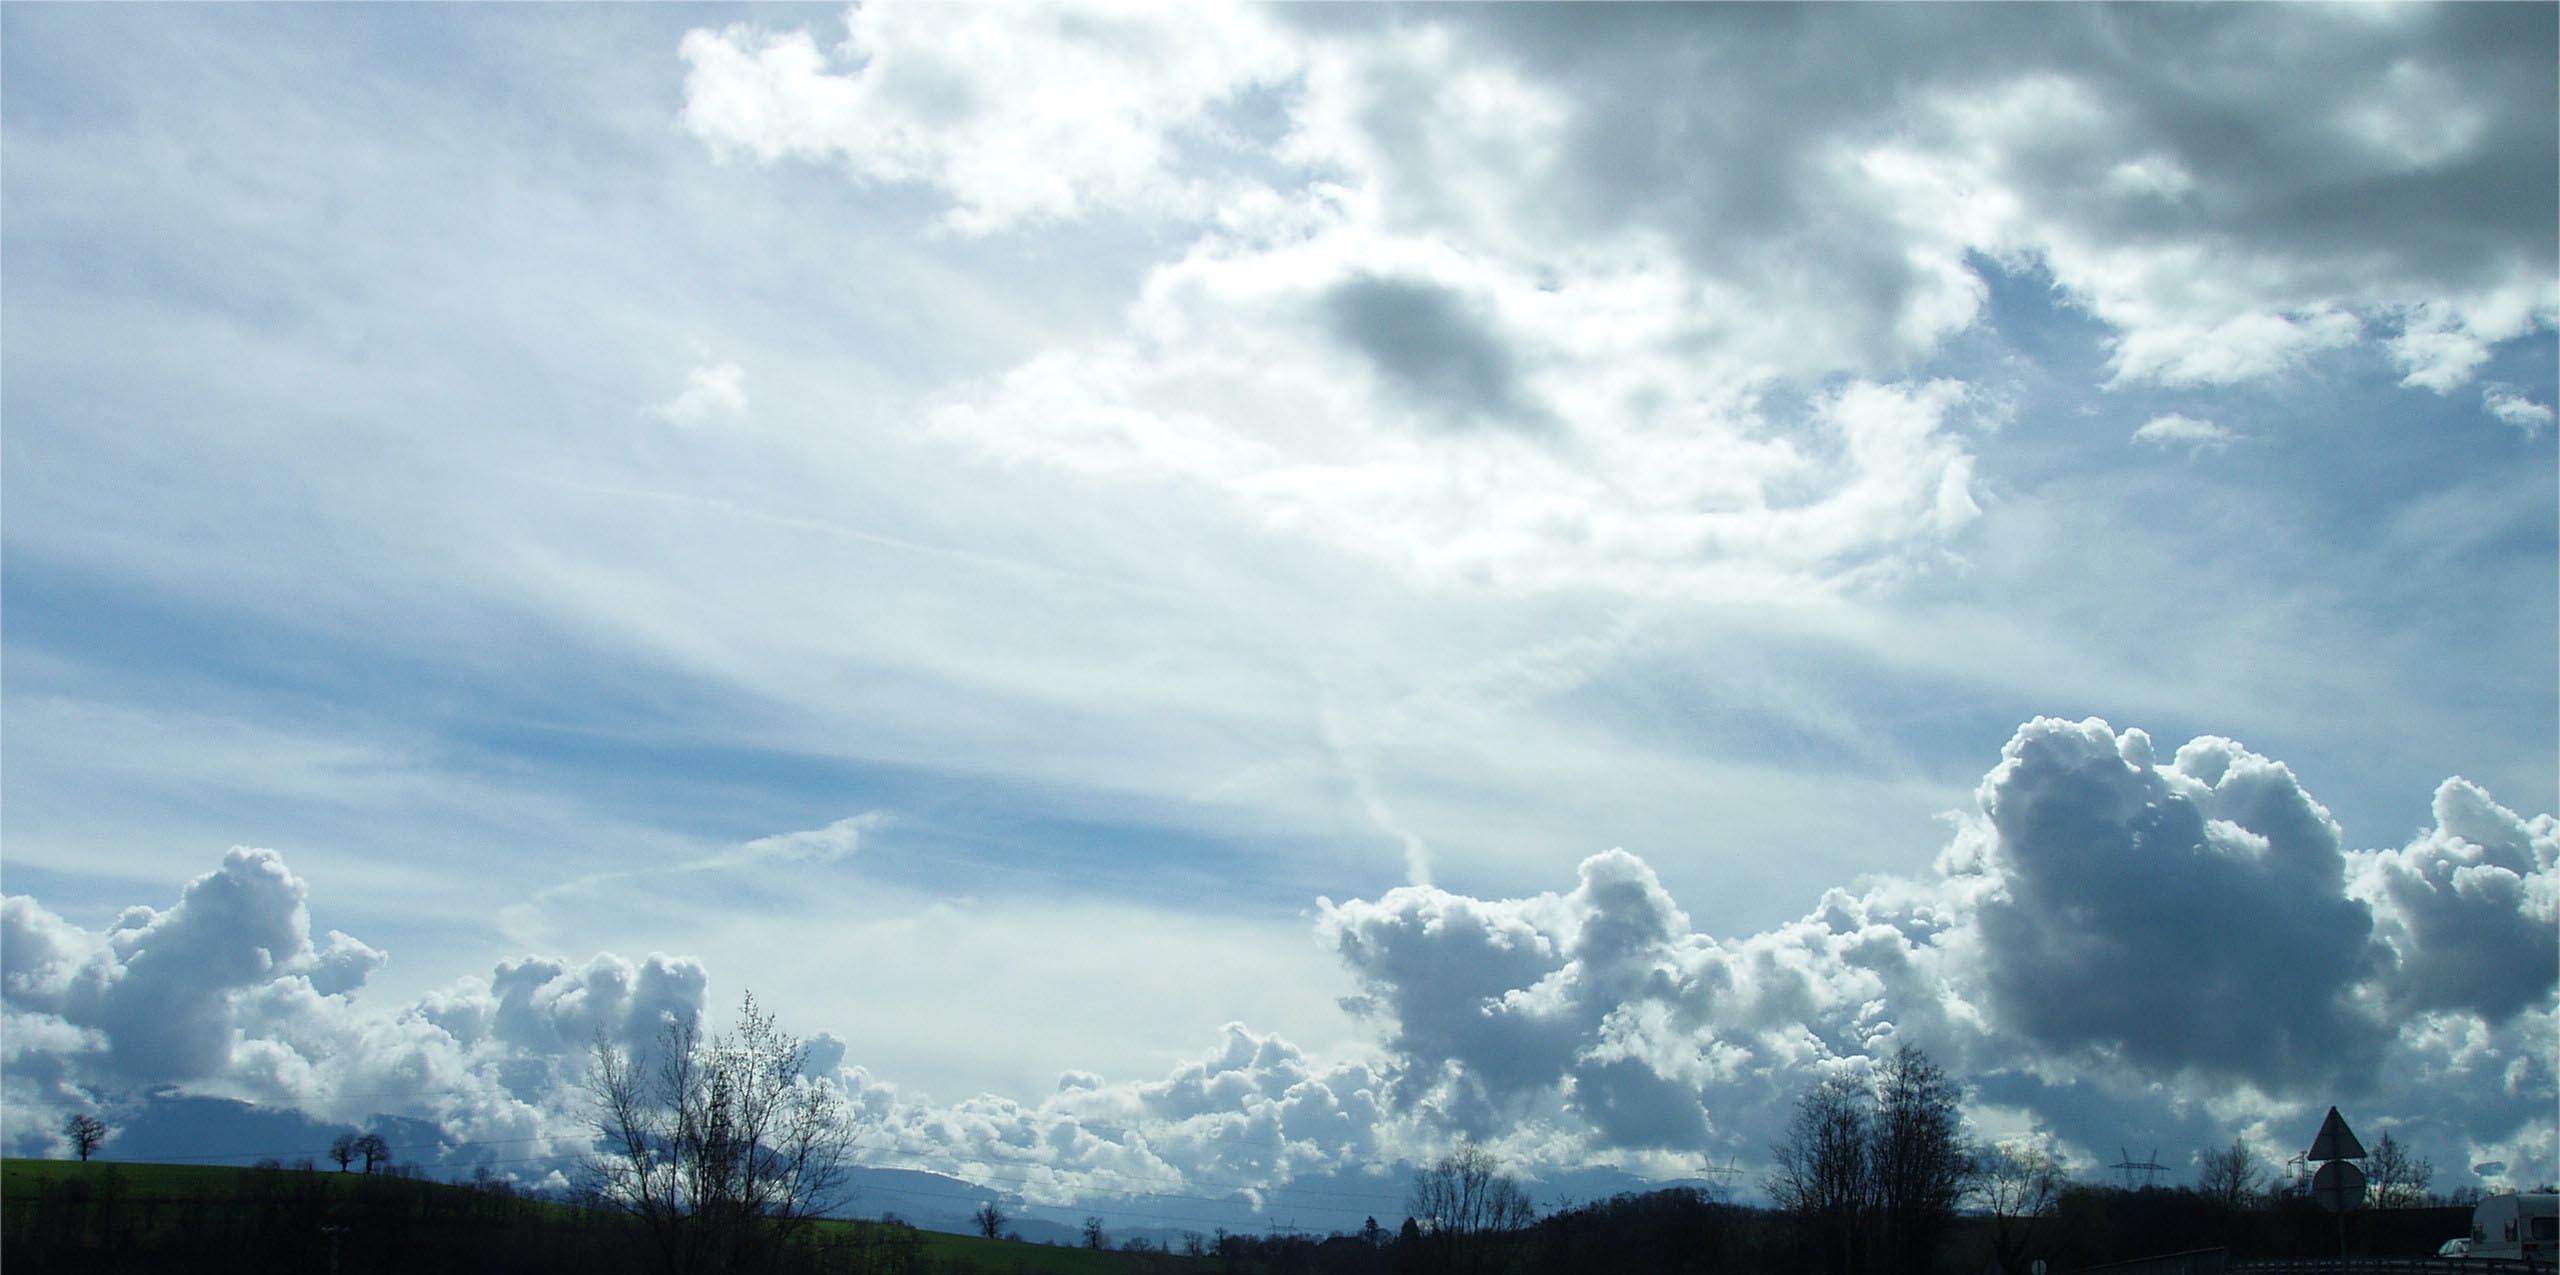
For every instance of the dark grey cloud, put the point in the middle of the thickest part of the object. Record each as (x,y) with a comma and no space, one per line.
(2470,909)
(2190,915)
(2319,157)
(1715,120)
(1438,354)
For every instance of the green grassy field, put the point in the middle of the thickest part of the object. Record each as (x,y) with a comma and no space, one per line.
(158,1202)
(974,1253)
(165,1196)
(182,1180)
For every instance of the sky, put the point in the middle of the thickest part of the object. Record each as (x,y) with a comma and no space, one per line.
(1224,596)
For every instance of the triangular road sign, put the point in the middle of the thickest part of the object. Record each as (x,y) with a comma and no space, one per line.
(2336,1140)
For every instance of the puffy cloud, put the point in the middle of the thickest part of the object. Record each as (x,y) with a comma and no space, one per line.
(2516,408)
(1525,303)
(2470,909)
(2181,917)
(1019,115)
(2176,430)
(225,995)
(1464,423)
(710,394)
(344,963)
(2111,941)
(161,985)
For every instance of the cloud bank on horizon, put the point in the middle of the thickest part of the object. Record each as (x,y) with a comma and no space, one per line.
(2113,945)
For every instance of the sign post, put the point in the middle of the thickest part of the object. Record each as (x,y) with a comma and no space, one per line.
(2339,1185)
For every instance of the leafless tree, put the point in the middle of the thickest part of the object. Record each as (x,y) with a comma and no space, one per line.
(990,1220)
(2019,1184)
(1822,1178)
(1920,1161)
(2231,1177)
(1093,1236)
(374,1150)
(85,1131)
(720,1148)
(2399,1179)
(1463,1198)
(342,1149)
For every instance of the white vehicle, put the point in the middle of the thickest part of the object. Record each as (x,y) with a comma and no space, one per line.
(2458,1246)
(2517,1226)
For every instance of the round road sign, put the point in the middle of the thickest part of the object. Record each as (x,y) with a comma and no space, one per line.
(2338,1186)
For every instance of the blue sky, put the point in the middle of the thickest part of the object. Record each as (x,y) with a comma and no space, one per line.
(1191,489)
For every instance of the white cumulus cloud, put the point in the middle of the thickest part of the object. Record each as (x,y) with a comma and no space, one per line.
(710,395)
(2516,408)
(2176,430)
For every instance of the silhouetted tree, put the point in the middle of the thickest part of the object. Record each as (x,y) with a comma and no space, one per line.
(374,1150)
(2230,1177)
(343,1150)
(2019,1184)
(1093,1236)
(1674,1231)
(721,1148)
(1463,1198)
(1823,1179)
(1919,1159)
(2399,1178)
(990,1220)
(86,1132)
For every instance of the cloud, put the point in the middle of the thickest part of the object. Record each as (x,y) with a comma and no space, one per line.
(161,985)
(2174,430)
(1595,238)
(711,394)
(2110,945)
(2470,909)
(811,846)
(224,995)
(1020,116)
(2516,408)
(816,845)
(2187,917)
(2222,233)
(1423,340)
(344,963)
(1316,400)
(2111,942)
